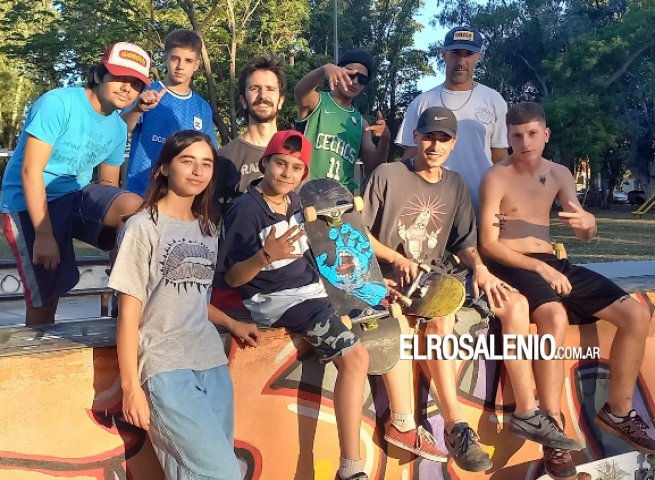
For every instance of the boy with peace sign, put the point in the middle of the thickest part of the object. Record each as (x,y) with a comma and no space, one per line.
(264,253)
(516,196)
(166,107)
(338,132)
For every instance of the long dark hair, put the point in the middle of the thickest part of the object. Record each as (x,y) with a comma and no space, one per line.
(201,207)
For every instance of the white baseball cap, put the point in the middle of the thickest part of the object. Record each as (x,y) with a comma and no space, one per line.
(126,59)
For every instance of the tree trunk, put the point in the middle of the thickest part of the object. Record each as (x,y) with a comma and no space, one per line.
(232,85)
(14,119)
(207,68)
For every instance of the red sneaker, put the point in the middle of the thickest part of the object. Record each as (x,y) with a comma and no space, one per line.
(418,441)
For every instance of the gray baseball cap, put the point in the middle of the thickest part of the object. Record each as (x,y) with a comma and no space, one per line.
(437,119)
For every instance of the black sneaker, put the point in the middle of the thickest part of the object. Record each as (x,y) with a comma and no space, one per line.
(543,429)
(462,443)
(559,464)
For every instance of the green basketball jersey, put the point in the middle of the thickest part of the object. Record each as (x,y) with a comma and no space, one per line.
(336,136)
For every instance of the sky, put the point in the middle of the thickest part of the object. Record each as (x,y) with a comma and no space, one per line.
(422,40)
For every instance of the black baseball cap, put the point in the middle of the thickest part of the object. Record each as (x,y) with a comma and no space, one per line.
(437,119)
(464,38)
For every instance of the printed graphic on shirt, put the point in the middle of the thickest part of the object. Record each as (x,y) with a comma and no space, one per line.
(187,263)
(332,143)
(419,226)
(78,163)
(484,115)
(351,270)
(197,123)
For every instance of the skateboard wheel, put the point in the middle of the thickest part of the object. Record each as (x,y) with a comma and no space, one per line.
(395,310)
(310,214)
(559,251)
(370,326)
(345,319)
(406,301)
(358,203)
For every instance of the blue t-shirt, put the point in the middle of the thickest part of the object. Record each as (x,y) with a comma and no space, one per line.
(81,139)
(174,112)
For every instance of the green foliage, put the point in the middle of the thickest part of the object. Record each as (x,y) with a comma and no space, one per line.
(54,42)
(590,63)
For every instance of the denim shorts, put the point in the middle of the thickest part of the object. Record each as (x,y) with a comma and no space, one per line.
(77,215)
(192,423)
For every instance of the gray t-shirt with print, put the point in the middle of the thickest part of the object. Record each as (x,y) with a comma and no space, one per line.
(417,218)
(169,266)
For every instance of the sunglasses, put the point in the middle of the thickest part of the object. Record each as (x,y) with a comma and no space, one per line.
(361,78)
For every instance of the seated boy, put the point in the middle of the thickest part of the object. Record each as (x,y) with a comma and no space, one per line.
(48,198)
(415,211)
(263,251)
(516,197)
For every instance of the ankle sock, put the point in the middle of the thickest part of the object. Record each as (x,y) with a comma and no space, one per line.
(616,418)
(348,467)
(404,422)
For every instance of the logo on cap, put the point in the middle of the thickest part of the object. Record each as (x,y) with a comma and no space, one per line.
(135,57)
(464,35)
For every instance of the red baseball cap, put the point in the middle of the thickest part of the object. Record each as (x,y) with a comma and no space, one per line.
(276,147)
(126,59)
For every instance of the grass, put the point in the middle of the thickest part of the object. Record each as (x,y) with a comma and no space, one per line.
(81,249)
(620,237)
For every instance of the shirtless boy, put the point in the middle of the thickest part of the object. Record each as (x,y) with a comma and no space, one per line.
(516,198)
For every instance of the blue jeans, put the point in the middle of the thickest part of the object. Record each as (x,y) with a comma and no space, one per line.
(192,424)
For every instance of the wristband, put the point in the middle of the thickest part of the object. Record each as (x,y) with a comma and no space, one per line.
(138,108)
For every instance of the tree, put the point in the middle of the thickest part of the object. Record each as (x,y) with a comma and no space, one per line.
(386,29)
(589,63)
(17,79)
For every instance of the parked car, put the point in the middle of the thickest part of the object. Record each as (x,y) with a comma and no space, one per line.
(619,197)
(636,197)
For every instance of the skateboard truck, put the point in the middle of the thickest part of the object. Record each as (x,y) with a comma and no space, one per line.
(368,317)
(434,293)
(333,214)
(423,269)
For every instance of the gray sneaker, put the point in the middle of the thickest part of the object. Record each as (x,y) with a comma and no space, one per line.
(462,443)
(543,429)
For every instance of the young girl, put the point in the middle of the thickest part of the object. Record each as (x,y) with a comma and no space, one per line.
(173,369)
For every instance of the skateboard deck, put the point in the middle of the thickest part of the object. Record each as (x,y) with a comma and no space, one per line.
(434,293)
(349,269)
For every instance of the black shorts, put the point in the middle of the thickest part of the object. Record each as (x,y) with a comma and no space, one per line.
(590,293)
(77,215)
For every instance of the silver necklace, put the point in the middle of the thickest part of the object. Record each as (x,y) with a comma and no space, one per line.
(462,105)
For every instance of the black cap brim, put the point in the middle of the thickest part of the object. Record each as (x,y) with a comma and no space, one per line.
(429,129)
